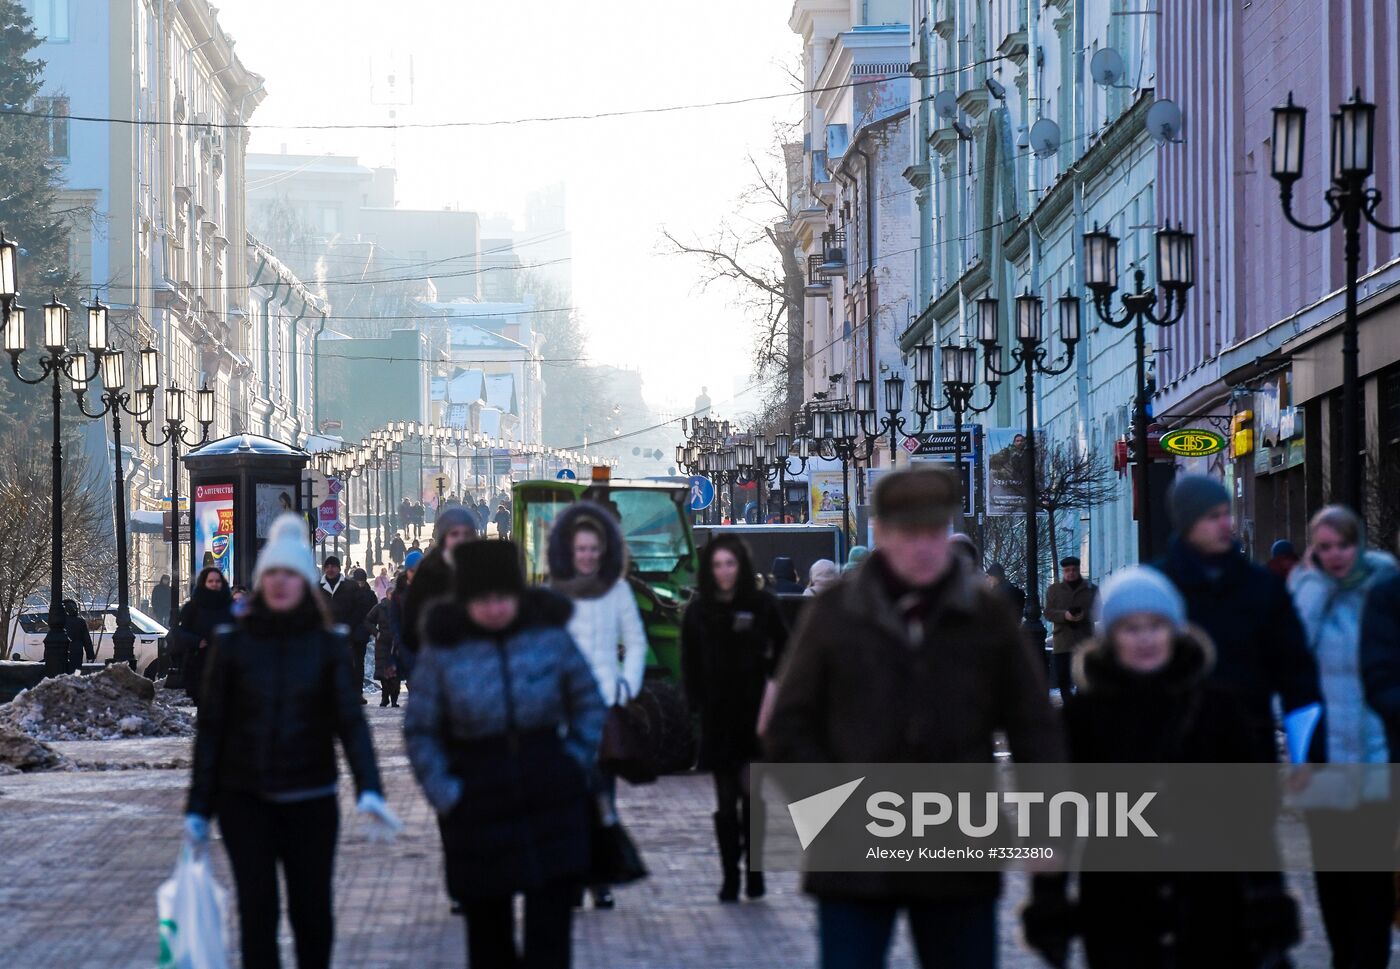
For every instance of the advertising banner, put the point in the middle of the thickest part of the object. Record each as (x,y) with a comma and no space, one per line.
(213,527)
(828,497)
(1005,464)
(272,500)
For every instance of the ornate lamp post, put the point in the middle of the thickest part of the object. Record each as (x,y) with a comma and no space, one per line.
(115,400)
(175,434)
(1031,357)
(874,426)
(1176,262)
(54,363)
(782,454)
(1349,200)
(959,383)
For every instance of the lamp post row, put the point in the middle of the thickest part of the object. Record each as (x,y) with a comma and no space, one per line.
(59,360)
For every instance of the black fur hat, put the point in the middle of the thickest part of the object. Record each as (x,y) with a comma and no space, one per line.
(480,568)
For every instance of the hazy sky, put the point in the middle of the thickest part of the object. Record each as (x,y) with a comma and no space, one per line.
(626,177)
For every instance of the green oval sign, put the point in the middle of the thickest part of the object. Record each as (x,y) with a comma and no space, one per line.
(1192,442)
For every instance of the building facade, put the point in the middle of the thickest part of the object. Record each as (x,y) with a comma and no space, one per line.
(1018,151)
(1260,347)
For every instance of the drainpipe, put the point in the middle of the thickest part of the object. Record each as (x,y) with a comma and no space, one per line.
(292,410)
(871,323)
(1081,364)
(316,373)
(267,332)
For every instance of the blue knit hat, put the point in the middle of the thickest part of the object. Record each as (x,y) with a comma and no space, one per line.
(411,560)
(1140,588)
(1192,497)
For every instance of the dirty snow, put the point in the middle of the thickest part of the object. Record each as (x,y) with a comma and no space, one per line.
(115,703)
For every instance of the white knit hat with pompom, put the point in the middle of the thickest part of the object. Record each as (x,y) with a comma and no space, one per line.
(288,547)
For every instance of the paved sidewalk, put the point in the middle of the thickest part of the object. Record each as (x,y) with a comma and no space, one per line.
(83,854)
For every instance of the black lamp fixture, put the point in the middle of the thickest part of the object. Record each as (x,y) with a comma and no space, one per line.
(1349,201)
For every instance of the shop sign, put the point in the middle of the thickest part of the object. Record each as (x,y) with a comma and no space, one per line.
(1192,442)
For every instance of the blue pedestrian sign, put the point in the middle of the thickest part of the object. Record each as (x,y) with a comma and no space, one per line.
(566,474)
(702,492)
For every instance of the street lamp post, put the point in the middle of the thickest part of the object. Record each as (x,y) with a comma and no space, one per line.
(1175,275)
(1350,201)
(1032,357)
(115,399)
(959,383)
(56,362)
(174,435)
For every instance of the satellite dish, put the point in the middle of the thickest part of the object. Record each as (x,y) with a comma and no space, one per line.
(1164,122)
(1045,138)
(945,104)
(1107,67)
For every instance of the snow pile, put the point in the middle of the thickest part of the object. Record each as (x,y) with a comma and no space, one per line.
(109,705)
(19,753)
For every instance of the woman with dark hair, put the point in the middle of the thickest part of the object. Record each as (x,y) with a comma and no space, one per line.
(432,575)
(386,622)
(502,733)
(208,608)
(588,564)
(731,639)
(279,690)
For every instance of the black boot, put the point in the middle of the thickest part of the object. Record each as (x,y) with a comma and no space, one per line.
(751,834)
(727,834)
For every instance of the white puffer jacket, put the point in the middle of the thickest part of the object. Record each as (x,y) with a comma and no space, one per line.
(599,626)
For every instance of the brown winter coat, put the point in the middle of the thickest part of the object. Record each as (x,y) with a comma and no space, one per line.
(1061,598)
(855,688)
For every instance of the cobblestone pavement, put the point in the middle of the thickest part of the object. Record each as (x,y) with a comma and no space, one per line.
(83,853)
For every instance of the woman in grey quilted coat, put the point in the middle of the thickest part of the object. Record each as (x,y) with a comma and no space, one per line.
(502,730)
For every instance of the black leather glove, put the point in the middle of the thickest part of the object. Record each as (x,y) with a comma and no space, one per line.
(1051,920)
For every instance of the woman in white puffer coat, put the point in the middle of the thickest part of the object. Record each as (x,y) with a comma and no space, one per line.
(588,563)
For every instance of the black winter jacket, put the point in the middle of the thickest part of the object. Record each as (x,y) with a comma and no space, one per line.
(277,693)
(431,580)
(1380,658)
(1261,649)
(343,601)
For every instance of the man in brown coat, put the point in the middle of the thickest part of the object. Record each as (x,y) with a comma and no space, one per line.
(911,658)
(1069,605)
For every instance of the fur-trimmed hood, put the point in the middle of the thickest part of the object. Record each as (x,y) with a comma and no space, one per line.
(446,623)
(613,565)
(1097,670)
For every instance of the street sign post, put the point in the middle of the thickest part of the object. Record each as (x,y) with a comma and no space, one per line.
(702,492)
(441,481)
(320,485)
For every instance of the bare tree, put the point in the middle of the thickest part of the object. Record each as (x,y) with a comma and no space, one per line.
(755,253)
(1067,479)
(25,510)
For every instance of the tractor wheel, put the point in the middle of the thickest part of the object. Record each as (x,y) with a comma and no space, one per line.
(672,731)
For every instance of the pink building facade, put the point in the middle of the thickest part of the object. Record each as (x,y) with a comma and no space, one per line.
(1259,348)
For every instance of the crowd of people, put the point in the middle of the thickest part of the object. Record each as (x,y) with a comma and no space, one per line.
(912,655)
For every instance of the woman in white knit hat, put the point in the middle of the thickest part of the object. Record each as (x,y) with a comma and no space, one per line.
(280,689)
(1144,698)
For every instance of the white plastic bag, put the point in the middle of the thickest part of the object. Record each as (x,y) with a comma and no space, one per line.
(191,907)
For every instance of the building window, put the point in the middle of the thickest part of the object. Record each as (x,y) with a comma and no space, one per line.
(51,20)
(55,111)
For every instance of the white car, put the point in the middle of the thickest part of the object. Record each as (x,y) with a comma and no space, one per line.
(27,632)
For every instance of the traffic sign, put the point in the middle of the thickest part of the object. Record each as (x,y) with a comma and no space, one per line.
(321,535)
(702,492)
(566,474)
(911,445)
(320,488)
(335,485)
(441,481)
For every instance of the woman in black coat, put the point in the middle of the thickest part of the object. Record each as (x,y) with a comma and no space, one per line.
(208,608)
(386,623)
(280,689)
(732,637)
(1144,698)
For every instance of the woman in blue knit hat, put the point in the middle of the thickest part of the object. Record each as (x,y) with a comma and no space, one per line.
(1144,697)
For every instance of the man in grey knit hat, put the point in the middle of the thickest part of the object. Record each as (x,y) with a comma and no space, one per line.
(1261,651)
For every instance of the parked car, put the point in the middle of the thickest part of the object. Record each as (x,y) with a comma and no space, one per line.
(27,631)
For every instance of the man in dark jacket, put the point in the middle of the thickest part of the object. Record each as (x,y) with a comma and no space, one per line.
(910,659)
(340,592)
(1380,658)
(79,637)
(397,549)
(502,523)
(1261,650)
(1069,605)
(363,600)
(160,599)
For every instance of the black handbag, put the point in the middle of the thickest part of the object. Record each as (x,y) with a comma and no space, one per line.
(614,859)
(627,748)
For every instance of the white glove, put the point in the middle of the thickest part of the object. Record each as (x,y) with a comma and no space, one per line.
(380,823)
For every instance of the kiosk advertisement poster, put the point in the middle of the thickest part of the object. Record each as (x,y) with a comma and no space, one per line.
(828,497)
(273,500)
(1006,461)
(213,527)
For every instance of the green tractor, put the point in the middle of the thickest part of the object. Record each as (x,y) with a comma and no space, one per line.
(656,524)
